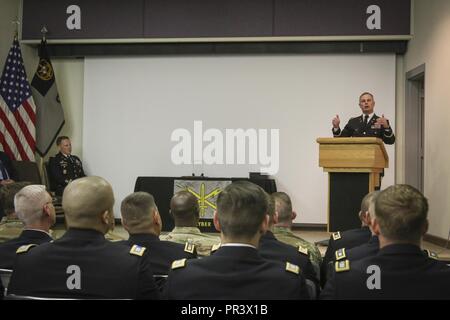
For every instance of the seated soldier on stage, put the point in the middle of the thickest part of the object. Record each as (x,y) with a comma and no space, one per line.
(364,250)
(10,225)
(35,209)
(185,211)
(399,270)
(140,217)
(65,167)
(236,270)
(82,263)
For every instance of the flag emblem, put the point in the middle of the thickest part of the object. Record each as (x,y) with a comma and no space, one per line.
(17,109)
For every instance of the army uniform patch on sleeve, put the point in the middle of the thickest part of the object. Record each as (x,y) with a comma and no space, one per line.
(25,248)
(292,268)
(303,250)
(137,250)
(336,235)
(179,264)
(432,254)
(215,247)
(340,254)
(343,265)
(189,247)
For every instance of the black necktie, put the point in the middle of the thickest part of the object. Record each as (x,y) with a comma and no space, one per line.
(366,120)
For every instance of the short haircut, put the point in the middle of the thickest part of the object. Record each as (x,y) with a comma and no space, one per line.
(367,200)
(184,207)
(7,193)
(137,207)
(364,93)
(241,208)
(29,203)
(85,200)
(283,206)
(401,212)
(60,139)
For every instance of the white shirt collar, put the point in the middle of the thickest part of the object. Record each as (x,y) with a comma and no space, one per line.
(232,244)
(370,116)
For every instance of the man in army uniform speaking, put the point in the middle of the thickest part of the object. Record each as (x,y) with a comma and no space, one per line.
(82,263)
(399,270)
(236,270)
(65,167)
(366,125)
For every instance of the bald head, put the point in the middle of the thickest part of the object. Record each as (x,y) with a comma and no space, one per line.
(30,203)
(184,208)
(88,203)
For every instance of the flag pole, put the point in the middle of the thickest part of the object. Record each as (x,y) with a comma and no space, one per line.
(44,31)
(16,28)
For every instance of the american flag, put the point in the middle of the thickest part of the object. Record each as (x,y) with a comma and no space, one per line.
(17,109)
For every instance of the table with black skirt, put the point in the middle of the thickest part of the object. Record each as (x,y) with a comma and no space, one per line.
(162,190)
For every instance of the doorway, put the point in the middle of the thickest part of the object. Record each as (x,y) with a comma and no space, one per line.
(414,127)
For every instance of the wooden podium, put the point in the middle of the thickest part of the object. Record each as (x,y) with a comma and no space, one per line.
(354,166)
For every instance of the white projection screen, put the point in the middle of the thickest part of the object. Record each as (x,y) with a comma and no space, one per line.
(133,104)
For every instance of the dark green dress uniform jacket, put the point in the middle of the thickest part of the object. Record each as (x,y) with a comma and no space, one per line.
(161,253)
(347,239)
(404,273)
(8,249)
(272,249)
(83,264)
(234,273)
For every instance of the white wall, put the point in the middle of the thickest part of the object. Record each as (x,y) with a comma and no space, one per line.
(132,105)
(431,46)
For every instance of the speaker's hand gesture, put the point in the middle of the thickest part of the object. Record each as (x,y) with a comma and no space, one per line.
(383,122)
(336,121)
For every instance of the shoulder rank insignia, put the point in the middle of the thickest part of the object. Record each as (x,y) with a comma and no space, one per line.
(215,247)
(343,265)
(432,254)
(303,250)
(189,247)
(179,264)
(336,235)
(292,268)
(340,254)
(25,248)
(137,250)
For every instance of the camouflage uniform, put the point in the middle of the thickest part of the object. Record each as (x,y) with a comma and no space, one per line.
(287,236)
(203,242)
(10,229)
(114,235)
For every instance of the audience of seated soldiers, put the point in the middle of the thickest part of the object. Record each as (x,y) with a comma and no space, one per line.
(256,250)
